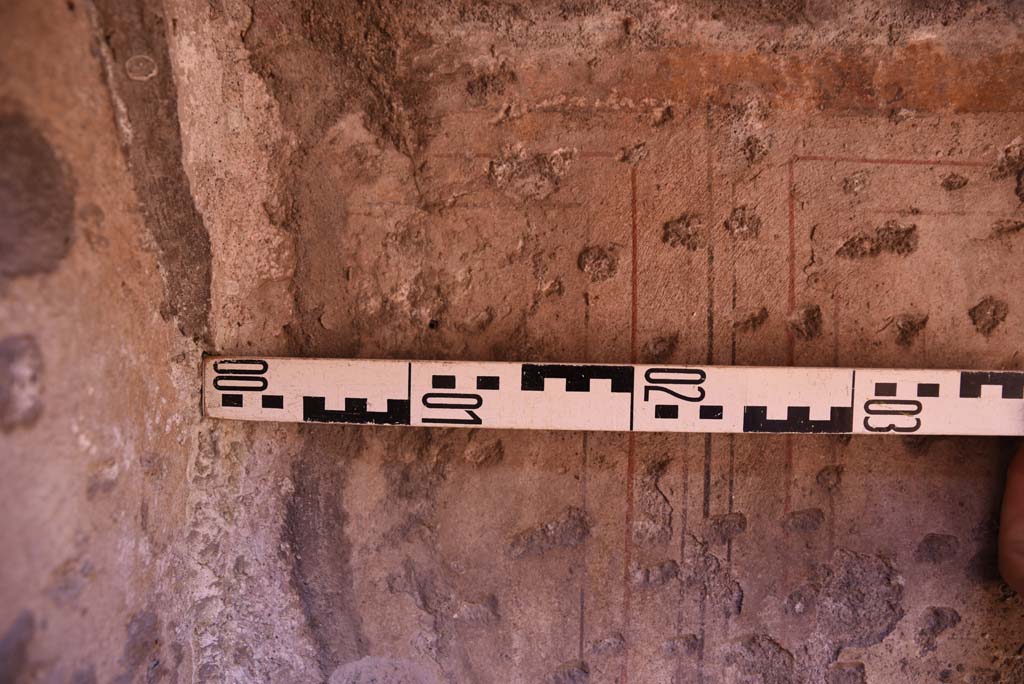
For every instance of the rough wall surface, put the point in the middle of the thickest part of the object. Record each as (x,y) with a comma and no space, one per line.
(732,181)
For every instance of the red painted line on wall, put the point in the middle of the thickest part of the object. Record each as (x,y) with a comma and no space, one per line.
(882,160)
(928,212)
(628,553)
(790,340)
(633,274)
(791,292)
(584,571)
(631,452)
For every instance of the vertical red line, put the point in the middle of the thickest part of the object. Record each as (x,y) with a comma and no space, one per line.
(709,139)
(584,463)
(791,294)
(631,452)
(583,561)
(633,274)
(628,554)
(709,312)
(584,448)
(836,304)
(791,301)
(681,613)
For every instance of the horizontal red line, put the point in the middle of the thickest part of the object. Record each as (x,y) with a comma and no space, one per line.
(492,155)
(964,214)
(881,160)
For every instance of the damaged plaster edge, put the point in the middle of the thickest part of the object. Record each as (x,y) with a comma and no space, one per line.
(150,138)
(235,155)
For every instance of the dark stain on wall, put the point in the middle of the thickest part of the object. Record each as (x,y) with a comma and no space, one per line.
(14,647)
(319,547)
(37,202)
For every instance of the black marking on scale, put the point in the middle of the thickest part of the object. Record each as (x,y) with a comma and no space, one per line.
(457,401)
(273,401)
(798,419)
(241,366)
(577,378)
(666,411)
(631,395)
(238,375)
(314,411)
(885,389)
(488,382)
(927,389)
(631,410)
(1012,383)
(442,382)
(709,412)
(231,400)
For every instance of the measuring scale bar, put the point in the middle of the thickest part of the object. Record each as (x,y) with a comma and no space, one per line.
(647,398)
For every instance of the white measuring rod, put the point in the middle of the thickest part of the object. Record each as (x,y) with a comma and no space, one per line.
(648,398)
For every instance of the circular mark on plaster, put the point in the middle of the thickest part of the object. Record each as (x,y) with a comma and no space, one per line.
(988,314)
(804,521)
(36,201)
(936,548)
(684,231)
(830,477)
(140,67)
(755,149)
(743,223)
(936,620)
(526,177)
(747,320)
(21,370)
(659,349)
(610,645)
(908,326)
(599,262)
(954,181)
(727,526)
(800,601)
(855,183)
(485,452)
(682,645)
(805,323)
(860,602)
